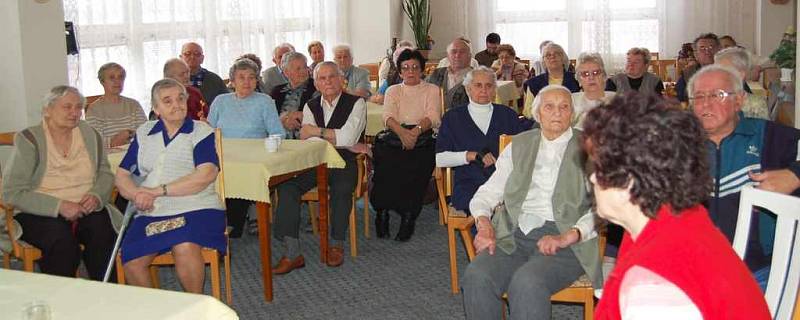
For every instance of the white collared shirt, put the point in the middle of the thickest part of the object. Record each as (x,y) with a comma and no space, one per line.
(350,132)
(537,208)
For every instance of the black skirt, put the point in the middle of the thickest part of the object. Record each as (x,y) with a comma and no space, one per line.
(401,177)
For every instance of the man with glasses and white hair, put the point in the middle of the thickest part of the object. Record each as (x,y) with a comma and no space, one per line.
(742,151)
(209,83)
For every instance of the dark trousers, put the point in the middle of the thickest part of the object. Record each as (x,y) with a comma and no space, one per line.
(342,183)
(236,210)
(61,252)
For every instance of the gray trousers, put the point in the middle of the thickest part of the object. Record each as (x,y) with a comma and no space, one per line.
(342,182)
(528,277)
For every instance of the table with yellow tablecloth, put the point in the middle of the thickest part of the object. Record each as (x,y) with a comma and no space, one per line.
(250,171)
(374,119)
(71,298)
(506,91)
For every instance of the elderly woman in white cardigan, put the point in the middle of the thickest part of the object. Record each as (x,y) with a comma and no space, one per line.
(177,206)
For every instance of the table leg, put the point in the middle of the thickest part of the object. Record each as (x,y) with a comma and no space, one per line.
(264,241)
(322,191)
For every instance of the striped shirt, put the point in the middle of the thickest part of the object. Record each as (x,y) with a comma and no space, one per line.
(110,118)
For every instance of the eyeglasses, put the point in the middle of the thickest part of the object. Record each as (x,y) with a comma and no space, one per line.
(193,53)
(552,55)
(716,96)
(593,73)
(409,67)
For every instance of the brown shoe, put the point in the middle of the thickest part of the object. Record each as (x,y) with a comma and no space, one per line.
(285,265)
(335,256)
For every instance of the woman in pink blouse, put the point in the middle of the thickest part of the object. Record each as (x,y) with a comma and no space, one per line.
(404,158)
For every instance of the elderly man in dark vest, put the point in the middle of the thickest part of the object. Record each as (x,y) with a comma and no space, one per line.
(545,233)
(338,118)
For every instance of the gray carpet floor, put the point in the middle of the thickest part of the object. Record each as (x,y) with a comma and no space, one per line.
(388,279)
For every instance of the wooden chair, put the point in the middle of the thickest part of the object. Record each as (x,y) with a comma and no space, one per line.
(784,276)
(90,100)
(361,191)
(21,250)
(581,291)
(210,256)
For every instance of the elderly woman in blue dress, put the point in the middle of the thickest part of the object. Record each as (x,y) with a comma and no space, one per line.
(178,208)
(244,114)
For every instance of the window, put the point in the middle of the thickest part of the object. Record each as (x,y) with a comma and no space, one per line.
(142,34)
(610,27)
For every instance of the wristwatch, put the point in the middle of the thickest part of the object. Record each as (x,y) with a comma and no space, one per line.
(420,128)
(163,189)
(322,133)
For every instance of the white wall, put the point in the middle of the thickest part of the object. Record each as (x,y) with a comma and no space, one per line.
(771,22)
(33,60)
(370,34)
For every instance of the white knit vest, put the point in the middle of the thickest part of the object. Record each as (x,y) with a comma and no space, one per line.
(160,164)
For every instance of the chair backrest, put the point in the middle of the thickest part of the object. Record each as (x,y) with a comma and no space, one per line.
(784,275)
(505,139)
(91,100)
(441,102)
(220,183)
(7,138)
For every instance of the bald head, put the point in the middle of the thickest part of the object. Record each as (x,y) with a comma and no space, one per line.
(177,69)
(192,54)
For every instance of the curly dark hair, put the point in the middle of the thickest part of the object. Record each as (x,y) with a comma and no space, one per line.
(643,139)
(409,55)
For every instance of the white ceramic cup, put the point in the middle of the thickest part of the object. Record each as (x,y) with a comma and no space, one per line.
(278,137)
(36,310)
(271,144)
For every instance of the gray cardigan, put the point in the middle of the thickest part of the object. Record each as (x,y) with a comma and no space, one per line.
(26,168)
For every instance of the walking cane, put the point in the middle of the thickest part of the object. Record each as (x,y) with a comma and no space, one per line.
(129,212)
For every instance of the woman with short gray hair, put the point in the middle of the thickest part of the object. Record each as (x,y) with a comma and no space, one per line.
(58,180)
(178,208)
(556,63)
(114,116)
(591,74)
(244,114)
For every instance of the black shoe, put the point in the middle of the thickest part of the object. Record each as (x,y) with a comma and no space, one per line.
(407,222)
(382,224)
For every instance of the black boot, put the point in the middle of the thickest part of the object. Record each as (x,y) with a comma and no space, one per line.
(407,221)
(382,224)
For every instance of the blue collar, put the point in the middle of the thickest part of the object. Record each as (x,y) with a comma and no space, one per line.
(187,128)
(745,127)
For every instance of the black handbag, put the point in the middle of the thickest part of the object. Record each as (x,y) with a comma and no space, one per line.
(390,138)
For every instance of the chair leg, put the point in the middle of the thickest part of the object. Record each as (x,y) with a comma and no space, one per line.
(353,231)
(466,236)
(154,276)
(366,214)
(215,281)
(588,305)
(451,245)
(228,293)
(437,175)
(120,270)
(27,264)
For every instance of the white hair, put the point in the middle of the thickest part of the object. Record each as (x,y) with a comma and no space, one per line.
(480,69)
(327,64)
(728,72)
(343,47)
(281,46)
(738,57)
(59,92)
(537,102)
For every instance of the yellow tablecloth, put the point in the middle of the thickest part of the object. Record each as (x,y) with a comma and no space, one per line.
(248,166)
(70,298)
(757,88)
(374,118)
(506,91)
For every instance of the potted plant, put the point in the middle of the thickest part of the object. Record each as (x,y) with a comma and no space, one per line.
(784,55)
(419,18)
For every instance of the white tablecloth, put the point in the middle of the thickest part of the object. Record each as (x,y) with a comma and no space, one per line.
(70,298)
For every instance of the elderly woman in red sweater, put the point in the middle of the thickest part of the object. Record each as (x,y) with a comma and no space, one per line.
(651,174)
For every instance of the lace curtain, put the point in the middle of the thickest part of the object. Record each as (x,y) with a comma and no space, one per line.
(142,34)
(609,27)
